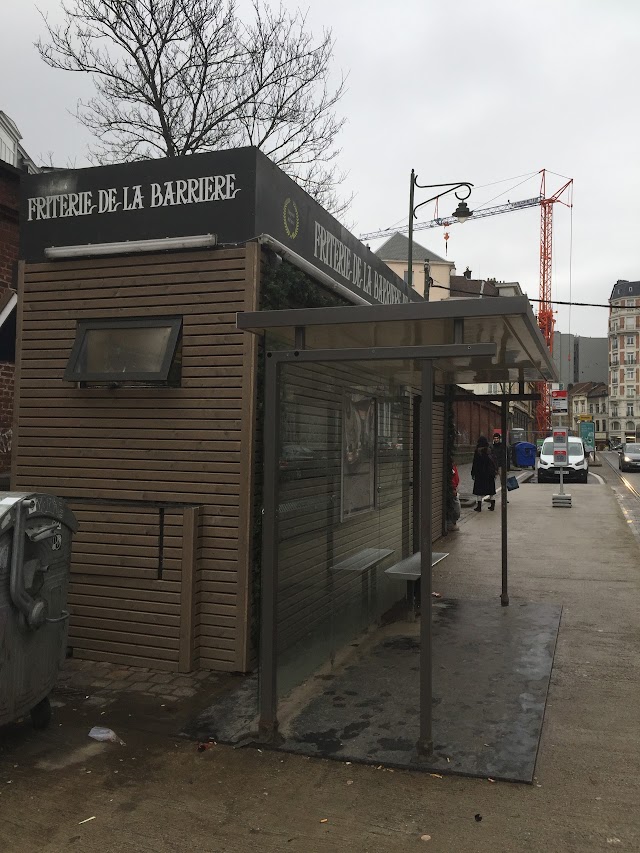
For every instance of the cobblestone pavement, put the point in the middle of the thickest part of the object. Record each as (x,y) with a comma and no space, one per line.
(102,682)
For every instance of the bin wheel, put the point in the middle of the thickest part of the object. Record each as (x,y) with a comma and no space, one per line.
(41,714)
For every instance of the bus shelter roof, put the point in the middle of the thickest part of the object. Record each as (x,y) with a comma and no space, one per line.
(518,352)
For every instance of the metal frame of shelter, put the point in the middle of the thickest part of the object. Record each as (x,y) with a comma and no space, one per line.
(447,342)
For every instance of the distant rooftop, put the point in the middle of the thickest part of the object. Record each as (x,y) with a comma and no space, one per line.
(396,248)
(624,288)
(11,151)
(582,388)
(464,285)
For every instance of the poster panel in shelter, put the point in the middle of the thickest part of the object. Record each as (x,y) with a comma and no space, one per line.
(358,454)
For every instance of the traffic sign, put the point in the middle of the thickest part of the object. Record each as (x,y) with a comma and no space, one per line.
(560,447)
(560,402)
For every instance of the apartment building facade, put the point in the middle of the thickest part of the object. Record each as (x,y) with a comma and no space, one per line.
(624,356)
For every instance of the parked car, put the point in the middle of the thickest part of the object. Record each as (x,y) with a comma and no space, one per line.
(629,457)
(577,467)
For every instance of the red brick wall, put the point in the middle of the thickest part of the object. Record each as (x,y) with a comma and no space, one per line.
(9,197)
(475,418)
(6,412)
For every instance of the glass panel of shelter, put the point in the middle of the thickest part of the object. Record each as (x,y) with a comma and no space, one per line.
(344,511)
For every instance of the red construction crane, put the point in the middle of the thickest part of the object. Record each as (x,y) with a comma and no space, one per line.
(545,311)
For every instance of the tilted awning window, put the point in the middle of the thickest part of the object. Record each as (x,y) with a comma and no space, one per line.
(136,349)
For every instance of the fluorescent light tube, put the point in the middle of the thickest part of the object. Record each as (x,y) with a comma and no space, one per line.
(126,247)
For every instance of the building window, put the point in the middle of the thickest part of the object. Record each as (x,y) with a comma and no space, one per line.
(629,410)
(590,408)
(614,343)
(631,339)
(141,350)
(630,426)
(615,425)
(405,276)
(630,373)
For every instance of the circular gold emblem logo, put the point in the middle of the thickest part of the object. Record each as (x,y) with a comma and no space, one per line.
(291,218)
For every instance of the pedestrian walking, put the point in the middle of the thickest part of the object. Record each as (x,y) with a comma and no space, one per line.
(483,472)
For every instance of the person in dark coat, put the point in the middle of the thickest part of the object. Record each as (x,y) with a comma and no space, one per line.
(483,472)
(499,451)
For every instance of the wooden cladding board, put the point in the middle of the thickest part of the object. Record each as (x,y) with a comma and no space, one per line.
(145,446)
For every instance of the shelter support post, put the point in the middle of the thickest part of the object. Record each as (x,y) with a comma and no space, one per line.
(425,742)
(415,474)
(268,702)
(504,595)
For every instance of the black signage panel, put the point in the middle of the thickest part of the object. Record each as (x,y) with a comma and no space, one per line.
(287,213)
(212,193)
(237,195)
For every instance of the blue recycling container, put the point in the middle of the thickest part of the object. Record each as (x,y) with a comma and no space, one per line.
(524,455)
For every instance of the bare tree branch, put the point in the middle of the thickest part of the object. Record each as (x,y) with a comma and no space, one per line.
(176,77)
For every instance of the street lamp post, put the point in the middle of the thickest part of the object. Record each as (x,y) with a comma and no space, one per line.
(462,212)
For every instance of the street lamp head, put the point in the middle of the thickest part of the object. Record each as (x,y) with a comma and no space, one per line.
(462,212)
(462,190)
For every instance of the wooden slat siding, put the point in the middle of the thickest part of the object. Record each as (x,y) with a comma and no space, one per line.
(142,444)
(118,552)
(438,466)
(190,528)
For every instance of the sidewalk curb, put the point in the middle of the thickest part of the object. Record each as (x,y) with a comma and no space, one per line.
(522,477)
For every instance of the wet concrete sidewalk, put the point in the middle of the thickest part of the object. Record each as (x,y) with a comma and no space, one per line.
(160,794)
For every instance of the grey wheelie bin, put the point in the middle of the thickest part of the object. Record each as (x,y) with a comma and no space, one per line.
(35,553)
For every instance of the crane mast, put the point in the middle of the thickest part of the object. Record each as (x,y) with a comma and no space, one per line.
(545,310)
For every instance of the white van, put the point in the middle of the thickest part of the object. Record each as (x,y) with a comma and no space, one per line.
(577,467)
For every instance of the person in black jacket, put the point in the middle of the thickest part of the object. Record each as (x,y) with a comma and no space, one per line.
(499,450)
(483,472)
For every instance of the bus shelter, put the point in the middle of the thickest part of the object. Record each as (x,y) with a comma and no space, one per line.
(323,369)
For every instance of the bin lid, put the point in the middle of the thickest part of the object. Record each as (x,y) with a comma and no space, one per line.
(48,506)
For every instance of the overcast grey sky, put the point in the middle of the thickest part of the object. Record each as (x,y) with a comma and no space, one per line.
(464,90)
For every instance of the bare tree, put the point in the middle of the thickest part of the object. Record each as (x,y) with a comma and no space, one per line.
(176,77)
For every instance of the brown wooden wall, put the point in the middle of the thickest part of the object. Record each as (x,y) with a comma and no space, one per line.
(161,479)
(145,581)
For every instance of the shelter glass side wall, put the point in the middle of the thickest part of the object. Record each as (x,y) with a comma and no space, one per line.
(345,508)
